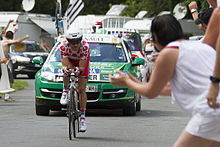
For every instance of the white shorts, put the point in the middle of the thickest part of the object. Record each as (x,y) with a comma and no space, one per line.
(205,127)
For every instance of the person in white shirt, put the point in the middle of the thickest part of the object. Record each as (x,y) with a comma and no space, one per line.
(186,65)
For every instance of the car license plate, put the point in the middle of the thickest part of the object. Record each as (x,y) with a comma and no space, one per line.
(90,88)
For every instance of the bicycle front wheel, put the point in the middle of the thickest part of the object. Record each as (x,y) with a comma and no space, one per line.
(76,113)
(70,114)
(71,128)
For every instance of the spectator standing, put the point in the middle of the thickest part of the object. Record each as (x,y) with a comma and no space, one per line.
(6,46)
(201,19)
(189,81)
(1,34)
(4,60)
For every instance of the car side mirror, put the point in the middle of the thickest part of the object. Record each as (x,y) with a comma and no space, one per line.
(38,60)
(138,61)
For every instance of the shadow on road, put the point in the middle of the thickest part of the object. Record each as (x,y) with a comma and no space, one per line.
(91,112)
(101,139)
(158,113)
(119,113)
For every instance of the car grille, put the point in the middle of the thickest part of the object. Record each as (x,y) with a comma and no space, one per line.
(92,96)
(52,93)
(114,93)
(56,93)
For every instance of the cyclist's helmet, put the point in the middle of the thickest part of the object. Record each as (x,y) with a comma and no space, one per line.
(74,36)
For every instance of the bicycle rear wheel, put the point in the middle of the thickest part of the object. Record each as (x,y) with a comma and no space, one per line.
(70,115)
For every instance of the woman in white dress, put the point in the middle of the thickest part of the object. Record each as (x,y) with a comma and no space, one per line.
(187,66)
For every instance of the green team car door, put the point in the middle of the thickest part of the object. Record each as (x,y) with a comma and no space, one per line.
(107,54)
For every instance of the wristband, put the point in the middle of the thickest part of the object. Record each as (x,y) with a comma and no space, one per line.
(214,80)
(193,10)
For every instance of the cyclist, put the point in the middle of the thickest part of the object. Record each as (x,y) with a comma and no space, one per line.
(75,53)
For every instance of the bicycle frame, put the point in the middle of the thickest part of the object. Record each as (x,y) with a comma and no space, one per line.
(72,112)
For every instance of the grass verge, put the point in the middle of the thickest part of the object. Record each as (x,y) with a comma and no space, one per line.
(18,85)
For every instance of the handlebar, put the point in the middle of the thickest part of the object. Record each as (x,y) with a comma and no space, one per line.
(71,75)
(74,69)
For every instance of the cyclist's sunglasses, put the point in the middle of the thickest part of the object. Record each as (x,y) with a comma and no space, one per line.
(71,41)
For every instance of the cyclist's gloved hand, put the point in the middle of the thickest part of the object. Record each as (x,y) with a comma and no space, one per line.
(66,70)
(76,71)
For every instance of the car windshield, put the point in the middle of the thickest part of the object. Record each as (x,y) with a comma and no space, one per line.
(98,53)
(26,47)
(55,54)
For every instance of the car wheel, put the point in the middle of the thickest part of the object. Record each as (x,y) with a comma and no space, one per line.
(138,103)
(130,110)
(42,110)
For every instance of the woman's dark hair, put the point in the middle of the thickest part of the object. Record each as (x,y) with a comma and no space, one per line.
(9,34)
(166,28)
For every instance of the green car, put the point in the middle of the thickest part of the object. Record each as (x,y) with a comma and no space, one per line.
(107,54)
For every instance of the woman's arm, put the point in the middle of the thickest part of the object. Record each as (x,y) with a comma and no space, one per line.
(212,30)
(6,27)
(18,40)
(194,11)
(214,87)
(166,91)
(213,3)
(162,73)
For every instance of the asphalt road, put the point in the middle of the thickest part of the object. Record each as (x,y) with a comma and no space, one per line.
(157,125)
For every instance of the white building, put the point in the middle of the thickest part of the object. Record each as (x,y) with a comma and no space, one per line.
(38,26)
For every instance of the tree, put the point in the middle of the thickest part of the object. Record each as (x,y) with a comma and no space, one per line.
(155,7)
(100,7)
(11,5)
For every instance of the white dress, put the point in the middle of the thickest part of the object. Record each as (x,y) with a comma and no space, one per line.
(190,84)
(4,80)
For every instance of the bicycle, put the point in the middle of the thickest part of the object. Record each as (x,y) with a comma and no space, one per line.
(73,112)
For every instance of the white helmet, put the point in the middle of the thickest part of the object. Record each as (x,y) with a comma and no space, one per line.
(74,35)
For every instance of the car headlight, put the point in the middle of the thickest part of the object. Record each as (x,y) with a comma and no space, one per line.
(22,59)
(49,76)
